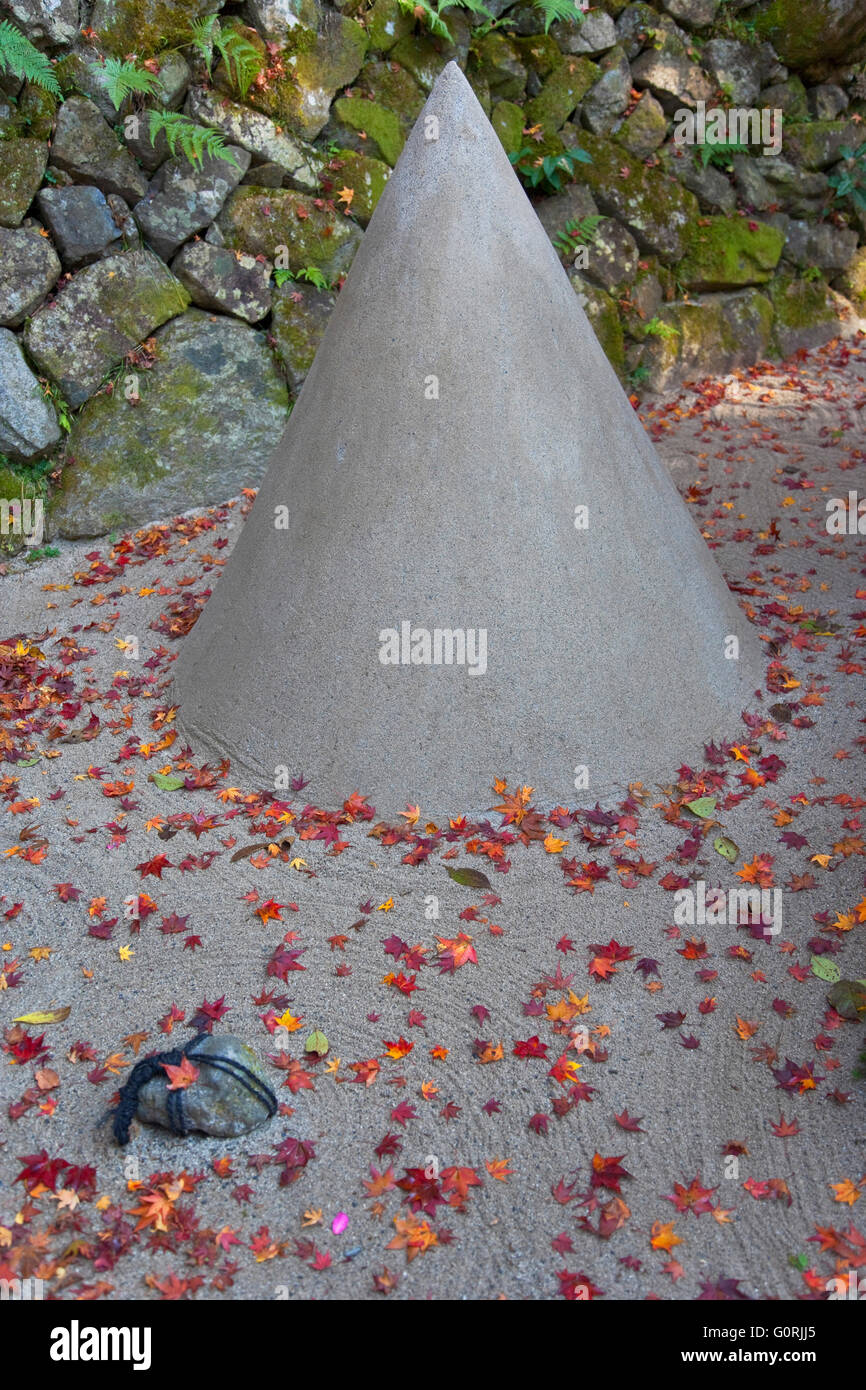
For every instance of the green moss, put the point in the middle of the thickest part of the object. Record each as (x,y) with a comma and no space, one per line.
(796,30)
(818,144)
(261,220)
(22,164)
(424,56)
(561,93)
(800,303)
(507,120)
(725,252)
(539,54)
(365,176)
(498,59)
(604,317)
(852,281)
(655,208)
(145,27)
(397,90)
(387,24)
(381,126)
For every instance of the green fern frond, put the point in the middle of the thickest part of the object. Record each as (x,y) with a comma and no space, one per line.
(120,79)
(554,10)
(21,58)
(202,33)
(243,60)
(194,142)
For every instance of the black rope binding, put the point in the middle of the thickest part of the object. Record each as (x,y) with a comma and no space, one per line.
(150,1067)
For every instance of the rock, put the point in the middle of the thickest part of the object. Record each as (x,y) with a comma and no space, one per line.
(694,14)
(386,25)
(709,185)
(28,424)
(609,98)
(765,182)
(805,314)
(54,21)
(653,206)
(22,164)
(266,176)
(560,94)
(507,120)
(425,55)
(258,134)
(221,1103)
(852,282)
(391,86)
(644,129)
(540,55)
(827,101)
(707,337)
(809,244)
(789,97)
(612,256)
(78,75)
(818,144)
(382,127)
(573,204)
(318,63)
(499,61)
(261,221)
(104,312)
(804,35)
(595,34)
(300,317)
(674,80)
(364,178)
(146,26)
(736,69)
(28,269)
(228,281)
(36,112)
(212,412)
(275,19)
(81,221)
(86,148)
(184,199)
(636,23)
(645,298)
(727,252)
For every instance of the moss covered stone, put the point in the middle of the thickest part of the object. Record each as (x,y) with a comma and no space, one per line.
(818,144)
(386,25)
(382,127)
(300,317)
(499,60)
(393,87)
(604,317)
(22,164)
(507,120)
(317,63)
(562,92)
(805,314)
(540,53)
(366,177)
(146,26)
(644,129)
(725,252)
(656,210)
(424,56)
(287,226)
(803,34)
(852,281)
(210,412)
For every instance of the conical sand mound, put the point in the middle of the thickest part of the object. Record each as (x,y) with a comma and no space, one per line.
(458,411)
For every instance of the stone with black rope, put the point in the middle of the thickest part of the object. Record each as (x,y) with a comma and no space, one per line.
(229,1095)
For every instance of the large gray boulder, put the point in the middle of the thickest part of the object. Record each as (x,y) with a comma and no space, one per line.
(736,68)
(54,21)
(185,198)
(228,281)
(257,133)
(83,222)
(300,317)
(104,312)
(206,420)
(417,437)
(86,148)
(29,267)
(675,81)
(28,424)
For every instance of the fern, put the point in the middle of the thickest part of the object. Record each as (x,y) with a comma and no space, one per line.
(121,78)
(21,58)
(554,10)
(183,136)
(242,59)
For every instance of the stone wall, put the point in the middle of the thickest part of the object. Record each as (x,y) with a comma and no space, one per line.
(160,314)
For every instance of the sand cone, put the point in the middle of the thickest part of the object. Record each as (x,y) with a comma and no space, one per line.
(463,477)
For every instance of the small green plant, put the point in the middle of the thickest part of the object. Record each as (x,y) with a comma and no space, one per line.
(432,13)
(577,231)
(242,59)
(310,273)
(850,182)
(45,552)
(547,172)
(122,78)
(638,374)
(554,10)
(21,58)
(657,328)
(720,155)
(58,400)
(812,273)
